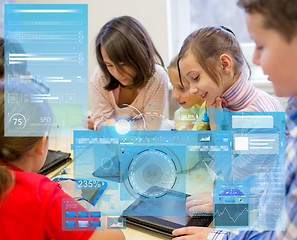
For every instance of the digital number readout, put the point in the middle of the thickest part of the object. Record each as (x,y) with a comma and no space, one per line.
(89,184)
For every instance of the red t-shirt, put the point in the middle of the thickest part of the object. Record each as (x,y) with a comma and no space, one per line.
(33,210)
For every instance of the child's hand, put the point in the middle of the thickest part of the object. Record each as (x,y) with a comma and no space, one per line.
(224,103)
(191,233)
(110,122)
(90,123)
(70,188)
(199,203)
(219,103)
(189,126)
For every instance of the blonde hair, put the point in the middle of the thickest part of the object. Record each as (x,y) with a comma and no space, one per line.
(173,63)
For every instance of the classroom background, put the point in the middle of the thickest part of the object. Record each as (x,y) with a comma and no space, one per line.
(168,22)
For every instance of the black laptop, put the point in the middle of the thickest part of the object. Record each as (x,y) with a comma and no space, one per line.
(54,160)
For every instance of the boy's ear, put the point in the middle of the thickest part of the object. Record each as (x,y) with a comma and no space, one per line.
(226,63)
(40,146)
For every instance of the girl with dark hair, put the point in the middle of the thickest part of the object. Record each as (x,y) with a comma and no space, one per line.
(130,72)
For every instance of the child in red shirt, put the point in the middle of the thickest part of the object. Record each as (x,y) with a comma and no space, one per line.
(31,204)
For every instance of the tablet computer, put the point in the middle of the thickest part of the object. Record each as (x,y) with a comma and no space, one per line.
(109,169)
(91,190)
(164,224)
(54,160)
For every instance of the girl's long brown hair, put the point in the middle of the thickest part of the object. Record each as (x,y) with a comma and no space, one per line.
(126,41)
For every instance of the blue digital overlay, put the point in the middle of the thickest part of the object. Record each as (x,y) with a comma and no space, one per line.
(76,218)
(46,47)
(231,203)
(70,214)
(231,215)
(258,159)
(116,223)
(91,189)
(250,120)
(143,167)
(143,164)
(84,214)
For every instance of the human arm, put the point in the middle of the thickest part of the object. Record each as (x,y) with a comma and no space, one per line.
(191,233)
(220,102)
(195,233)
(269,209)
(90,123)
(199,203)
(156,94)
(52,199)
(70,188)
(212,108)
(288,222)
(103,104)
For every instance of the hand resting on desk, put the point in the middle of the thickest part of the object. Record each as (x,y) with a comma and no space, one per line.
(70,188)
(196,203)
(191,233)
(199,203)
(73,191)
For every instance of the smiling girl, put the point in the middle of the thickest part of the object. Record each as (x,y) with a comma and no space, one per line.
(130,72)
(212,61)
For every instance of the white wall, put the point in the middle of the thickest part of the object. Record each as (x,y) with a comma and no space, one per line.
(151,13)
(179,24)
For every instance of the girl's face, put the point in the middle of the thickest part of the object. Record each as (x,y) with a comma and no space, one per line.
(125,75)
(200,83)
(182,94)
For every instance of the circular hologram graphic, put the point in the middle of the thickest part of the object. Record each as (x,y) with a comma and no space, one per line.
(122,126)
(151,167)
(124,119)
(152,174)
(106,163)
(17,121)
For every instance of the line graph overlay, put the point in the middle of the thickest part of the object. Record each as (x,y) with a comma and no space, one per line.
(231,215)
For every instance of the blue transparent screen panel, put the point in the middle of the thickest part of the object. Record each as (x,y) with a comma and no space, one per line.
(46,56)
